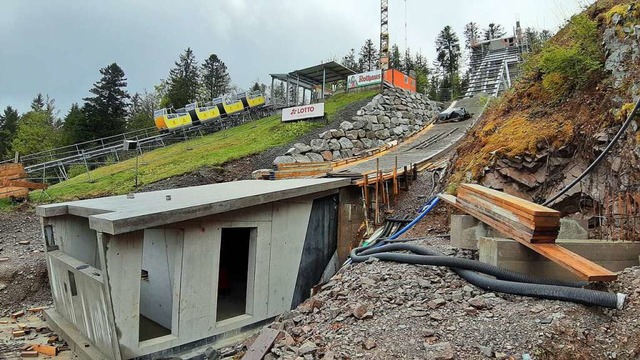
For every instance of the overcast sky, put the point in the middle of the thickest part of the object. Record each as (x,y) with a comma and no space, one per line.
(57,46)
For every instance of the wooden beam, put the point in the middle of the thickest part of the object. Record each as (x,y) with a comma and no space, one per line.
(261,345)
(22,184)
(575,263)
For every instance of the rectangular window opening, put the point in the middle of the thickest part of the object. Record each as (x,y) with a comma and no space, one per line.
(233,278)
(72,283)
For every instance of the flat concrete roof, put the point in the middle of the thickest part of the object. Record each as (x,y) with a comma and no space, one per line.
(119,214)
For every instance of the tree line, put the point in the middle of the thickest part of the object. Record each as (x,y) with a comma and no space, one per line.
(443,80)
(111,109)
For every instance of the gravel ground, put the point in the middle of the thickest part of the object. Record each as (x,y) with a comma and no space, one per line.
(383,310)
(23,272)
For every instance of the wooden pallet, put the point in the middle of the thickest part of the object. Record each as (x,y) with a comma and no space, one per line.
(13,183)
(519,219)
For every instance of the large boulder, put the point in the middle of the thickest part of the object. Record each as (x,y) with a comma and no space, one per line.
(345,143)
(334,144)
(302,148)
(284,160)
(314,157)
(352,134)
(299,158)
(319,145)
(346,125)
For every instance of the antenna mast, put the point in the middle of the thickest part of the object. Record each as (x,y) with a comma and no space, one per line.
(384,34)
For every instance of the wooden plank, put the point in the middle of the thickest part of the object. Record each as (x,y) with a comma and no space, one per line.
(22,184)
(531,221)
(499,225)
(575,263)
(12,169)
(262,345)
(511,200)
(14,192)
(318,165)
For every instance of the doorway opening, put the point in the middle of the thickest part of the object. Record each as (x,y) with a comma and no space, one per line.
(233,276)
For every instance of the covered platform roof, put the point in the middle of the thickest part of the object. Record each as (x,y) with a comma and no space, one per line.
(314,75)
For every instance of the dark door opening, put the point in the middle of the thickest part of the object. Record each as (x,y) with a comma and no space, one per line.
(233,272)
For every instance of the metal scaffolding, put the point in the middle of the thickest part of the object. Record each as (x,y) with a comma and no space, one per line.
(384,34)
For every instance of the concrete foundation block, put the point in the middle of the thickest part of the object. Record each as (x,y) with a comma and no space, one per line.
(467,230)
(511,255)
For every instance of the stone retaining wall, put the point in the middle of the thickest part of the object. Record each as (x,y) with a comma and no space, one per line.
(390,116)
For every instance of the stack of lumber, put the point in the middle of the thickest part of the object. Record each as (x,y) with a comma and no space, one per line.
(13,182)
(533,225)
(301,170)
(536,223)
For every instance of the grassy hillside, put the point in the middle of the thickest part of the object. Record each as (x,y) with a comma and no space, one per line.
(563,97)
(187,156)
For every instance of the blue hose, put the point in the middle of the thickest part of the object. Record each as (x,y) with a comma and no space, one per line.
(425,210)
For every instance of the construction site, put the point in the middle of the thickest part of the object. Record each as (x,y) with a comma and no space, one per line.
(501,224)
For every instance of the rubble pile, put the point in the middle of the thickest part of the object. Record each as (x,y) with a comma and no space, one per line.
(386,310)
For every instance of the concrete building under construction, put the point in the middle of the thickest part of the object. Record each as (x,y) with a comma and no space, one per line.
(163,273)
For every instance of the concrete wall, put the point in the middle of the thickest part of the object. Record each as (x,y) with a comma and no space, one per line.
(75,238)
(161,250)
(88,309)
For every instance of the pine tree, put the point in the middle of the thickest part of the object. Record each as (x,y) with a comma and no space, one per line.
(255,87)
(183,80)
(421,67)
(448,50)
(368,60)
(471,34)
(408,64)
(37,104)
(349,61)
(74,128)
(8,126)
(494,31)
(395,59)
(106,112)
(215,77)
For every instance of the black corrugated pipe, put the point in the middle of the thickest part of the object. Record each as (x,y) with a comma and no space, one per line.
(598,159)
(506,281)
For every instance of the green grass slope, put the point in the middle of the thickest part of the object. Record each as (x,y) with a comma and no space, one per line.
(187,156)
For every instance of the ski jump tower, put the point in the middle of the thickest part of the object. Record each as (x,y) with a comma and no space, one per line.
(495,63)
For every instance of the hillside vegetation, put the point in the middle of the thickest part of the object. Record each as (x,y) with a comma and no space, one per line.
(567,93)
(184,157)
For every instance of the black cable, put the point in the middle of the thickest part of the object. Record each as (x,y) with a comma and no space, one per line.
(598,159)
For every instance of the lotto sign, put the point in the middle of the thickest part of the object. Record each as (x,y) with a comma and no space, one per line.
(303,112)
(364,79)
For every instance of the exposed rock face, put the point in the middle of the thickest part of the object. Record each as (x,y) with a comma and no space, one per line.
(390,116)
